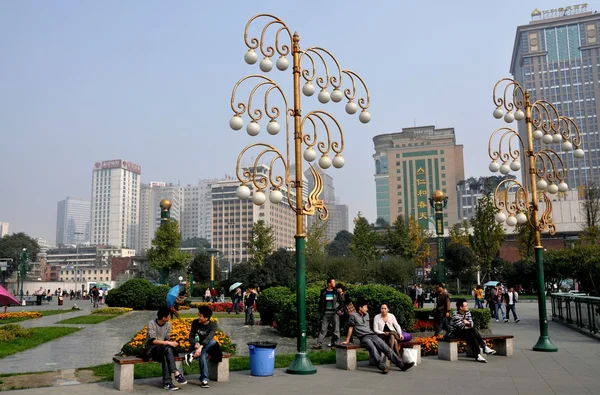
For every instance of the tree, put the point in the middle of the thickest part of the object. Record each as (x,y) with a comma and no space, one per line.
(364,241)
(488,235)
(525,238)
(397,240)
(261,242)
(278,269)
(316,240)
(200,267)
(11,246)
(460,260)
(558,266)
(395,271)
(340,246)
(380,222)
(419,248)
(590,209)
(196,242)
(459,234)
(165,254)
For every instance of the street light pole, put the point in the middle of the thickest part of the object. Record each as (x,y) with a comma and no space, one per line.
(22,268)
(439,202)
(545,172)
(333,79)
(77,234)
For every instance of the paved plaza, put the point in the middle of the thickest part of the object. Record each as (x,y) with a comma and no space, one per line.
(574,369)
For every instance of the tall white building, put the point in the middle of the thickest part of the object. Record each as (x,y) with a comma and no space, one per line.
(150,197)
(115,203)
(73,221)
(3,229)
(196,210)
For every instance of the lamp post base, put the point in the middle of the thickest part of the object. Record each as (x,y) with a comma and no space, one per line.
(544,344)
(301,365)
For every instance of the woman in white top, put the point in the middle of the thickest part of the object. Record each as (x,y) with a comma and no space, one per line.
(387,327)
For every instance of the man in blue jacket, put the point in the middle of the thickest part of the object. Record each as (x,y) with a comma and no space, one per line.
(329,306)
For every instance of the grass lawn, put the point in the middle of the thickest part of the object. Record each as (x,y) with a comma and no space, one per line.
(40,336)
(44,314)
(220,315)
(88,319)
(106,372)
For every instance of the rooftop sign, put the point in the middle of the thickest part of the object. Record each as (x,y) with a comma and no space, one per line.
(538,15)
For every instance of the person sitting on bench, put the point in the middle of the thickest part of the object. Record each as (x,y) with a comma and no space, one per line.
(359,324)
(161,349)
(462,327)
(387,327)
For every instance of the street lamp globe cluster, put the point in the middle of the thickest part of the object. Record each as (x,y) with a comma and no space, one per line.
(519,203)
(315,134)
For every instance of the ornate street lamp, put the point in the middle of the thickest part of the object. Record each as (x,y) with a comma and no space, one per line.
(545,173)
(324,71)
(439,202)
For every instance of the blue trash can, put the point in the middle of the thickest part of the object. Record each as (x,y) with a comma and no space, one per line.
(262,358)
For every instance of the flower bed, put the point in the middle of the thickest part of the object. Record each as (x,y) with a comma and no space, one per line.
(180,330)
(423,326)
(112,310)
(429,345)
(217,307)
(20,314)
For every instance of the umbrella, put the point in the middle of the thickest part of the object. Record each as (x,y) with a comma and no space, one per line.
(172,295)
(491,284)
(102,285)
(6,299)
(234,286)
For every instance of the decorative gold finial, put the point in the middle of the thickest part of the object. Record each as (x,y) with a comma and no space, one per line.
(165,204)
(438,196)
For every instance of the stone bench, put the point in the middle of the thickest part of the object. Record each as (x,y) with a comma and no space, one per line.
(448,348)
(123,370)
(345,354)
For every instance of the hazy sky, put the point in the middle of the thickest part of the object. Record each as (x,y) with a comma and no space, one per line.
(150,82)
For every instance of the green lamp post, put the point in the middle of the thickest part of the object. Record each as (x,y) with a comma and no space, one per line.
(439,202)
(165,216)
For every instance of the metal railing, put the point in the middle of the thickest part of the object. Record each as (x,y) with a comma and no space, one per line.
(580,311)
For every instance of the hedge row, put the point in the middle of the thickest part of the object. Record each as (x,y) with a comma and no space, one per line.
(138,294)
(278,306)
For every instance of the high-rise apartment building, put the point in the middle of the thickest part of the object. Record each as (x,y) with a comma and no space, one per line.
(337,219)
(196,210)
(233,219)
(150,197)
(409,166)
(115,203)
(73,221)
(556,58)
(3,229)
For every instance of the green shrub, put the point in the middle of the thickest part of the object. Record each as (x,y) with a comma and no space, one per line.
(133,293)
(481,317)
(11,332)
(157,297)
(400,304)
(286,315)
(270,302)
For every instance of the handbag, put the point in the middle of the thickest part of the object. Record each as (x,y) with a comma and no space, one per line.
(409,355)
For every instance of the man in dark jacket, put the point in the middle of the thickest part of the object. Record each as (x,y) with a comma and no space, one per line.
(329,306)
(202,343)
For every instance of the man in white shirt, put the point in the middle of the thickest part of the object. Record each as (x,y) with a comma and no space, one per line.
(511,298)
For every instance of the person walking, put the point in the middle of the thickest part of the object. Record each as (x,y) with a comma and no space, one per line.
(222,297)
(478,294)
(420,297)
(235,301)
(213,295)
(499,304)
(511,298)
(328,307)
(491,300)
(462,327)
(249,306)
(160,348)
(95,295)
(441,313)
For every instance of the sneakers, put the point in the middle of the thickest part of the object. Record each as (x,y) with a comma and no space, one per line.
(505,320)
(204,384)
(170,387)
(497,320)
(317,347)
(332,344)
(407,365)
(180,379)
(384,368)
(189,358)
(481,359)
(517,320)
(489,351)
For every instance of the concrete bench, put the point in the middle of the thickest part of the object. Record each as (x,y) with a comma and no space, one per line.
(123,370)
(345,354)
(448,348)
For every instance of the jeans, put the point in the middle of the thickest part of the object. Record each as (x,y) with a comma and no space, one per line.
(204,360)
(500,307)
(493,310)
(472,337)
(441,322)
(329,317)
(249,315)
(375,346)
(509,308)
(164,355)
(478,303)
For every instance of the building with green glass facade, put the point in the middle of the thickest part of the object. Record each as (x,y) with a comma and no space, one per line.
(556,57)
(409,166)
